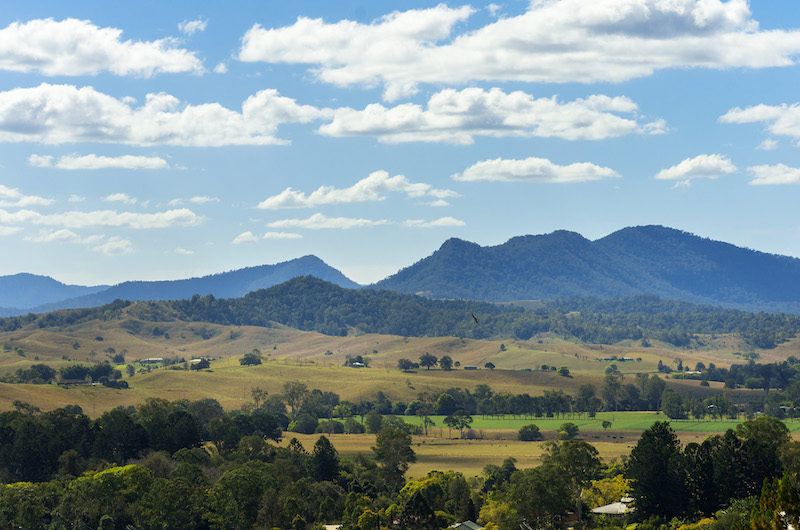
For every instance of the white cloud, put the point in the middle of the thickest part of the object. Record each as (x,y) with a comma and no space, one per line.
(781,120)
(319,221)
(436,223)
(8,230)
(63,236)
(554,41)
(457,116)
(221,68)
(72,47)
(112,246)
(245,237)
(374,187)
(120,197)
(40,160)
(107,218)
(774,175)
(702,166)
(56,114)
(197,199)
(349,52)
(192,27)
(281,235)
(76,198)
(86,162)
(115,246)
(13,198)
(533,170)
(769,144)
(249,237)
(181,250)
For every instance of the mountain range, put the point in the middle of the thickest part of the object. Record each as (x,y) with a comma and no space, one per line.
(654,260)
(23,293)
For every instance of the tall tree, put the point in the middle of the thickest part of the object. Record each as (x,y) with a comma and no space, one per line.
(657,470)
(393,450)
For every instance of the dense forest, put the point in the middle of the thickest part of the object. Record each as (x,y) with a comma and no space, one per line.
(188,464)
(310,304)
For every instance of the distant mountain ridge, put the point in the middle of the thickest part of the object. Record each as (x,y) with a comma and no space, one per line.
(654,260)
(223,285)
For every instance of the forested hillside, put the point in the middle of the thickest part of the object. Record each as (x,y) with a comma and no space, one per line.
(224,285)
(640,260)
(310,304)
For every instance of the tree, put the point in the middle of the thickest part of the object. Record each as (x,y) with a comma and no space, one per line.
(606,424)
(324,460)
(611,391)
(393,450)
(427,360)
(529,433)
(405,365)
(202,364)
(578,461)
(656,468)
(567,431)
(460,420)
(446,363)
(672,405)
(295,392)
(250,359)
(563,371)
(489,366)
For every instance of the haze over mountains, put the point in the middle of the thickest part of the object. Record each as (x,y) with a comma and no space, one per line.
(648,259)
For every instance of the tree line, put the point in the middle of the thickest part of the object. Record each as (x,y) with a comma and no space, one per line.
(310,304)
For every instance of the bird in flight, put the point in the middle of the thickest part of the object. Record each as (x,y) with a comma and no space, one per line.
(474,318)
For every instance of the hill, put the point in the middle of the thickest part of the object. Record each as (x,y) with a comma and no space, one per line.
(224,285)
(653,260)
(19,292)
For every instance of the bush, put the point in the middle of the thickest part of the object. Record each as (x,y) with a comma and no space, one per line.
(529,433)
(304,424)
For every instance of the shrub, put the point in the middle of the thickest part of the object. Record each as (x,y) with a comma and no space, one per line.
(529,433)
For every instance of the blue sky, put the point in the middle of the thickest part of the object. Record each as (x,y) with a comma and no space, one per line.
(162,140)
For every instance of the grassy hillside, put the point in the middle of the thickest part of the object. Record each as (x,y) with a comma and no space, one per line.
(317,360)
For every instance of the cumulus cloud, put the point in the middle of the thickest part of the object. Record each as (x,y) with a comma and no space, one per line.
(192,27)
(249,237)
(436,223)
(554,41)
(774,175)
(781,120)
(374,187)
(221,68)
(76,198)
(319,222)
(769,144)
(457,116)
(72,47)
(56,114)
(120,197)
(112,246)
(702,166)
(185,252)
(245,237)
(102,218)
(14,198)
(533,170)
(86,162)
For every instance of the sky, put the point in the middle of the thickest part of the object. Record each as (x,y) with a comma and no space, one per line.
(166,140)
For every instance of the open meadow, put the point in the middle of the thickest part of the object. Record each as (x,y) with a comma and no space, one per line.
(318,361)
